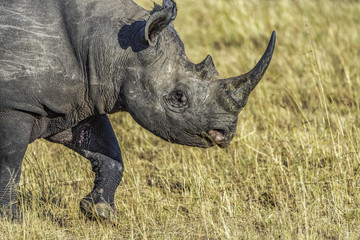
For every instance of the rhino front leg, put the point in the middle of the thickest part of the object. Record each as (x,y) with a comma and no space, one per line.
(94,139)
(15,131)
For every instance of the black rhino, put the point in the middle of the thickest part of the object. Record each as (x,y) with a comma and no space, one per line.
(65,64)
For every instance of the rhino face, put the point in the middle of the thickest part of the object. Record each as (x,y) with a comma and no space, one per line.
(178,100)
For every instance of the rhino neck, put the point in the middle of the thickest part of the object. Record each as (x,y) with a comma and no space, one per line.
(92,29)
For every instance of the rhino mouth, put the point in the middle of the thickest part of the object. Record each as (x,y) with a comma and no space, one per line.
(207,141)
(217,137)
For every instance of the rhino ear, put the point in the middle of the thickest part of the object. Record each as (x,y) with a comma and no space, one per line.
(159,19)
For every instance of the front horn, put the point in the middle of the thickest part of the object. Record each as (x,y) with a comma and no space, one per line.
(241,86)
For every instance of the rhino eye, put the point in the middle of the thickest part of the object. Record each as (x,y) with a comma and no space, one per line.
(176,99)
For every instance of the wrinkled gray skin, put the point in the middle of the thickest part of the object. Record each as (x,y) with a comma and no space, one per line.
(66,64)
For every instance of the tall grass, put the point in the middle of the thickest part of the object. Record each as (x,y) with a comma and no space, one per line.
(291,172)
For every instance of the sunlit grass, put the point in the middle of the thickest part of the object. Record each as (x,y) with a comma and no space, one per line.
(291,172)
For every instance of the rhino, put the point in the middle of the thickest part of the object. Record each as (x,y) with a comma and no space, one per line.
(66,64)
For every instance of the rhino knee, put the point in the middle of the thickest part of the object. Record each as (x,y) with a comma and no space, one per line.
(117,165)
(113,164)
(108,165)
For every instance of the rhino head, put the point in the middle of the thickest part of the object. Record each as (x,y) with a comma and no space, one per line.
(172,97)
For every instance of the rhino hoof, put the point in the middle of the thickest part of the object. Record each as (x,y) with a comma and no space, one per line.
(100,211)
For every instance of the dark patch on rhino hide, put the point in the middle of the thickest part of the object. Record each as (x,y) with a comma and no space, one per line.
(133,36)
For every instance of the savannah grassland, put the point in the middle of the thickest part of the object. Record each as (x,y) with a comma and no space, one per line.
(291,172)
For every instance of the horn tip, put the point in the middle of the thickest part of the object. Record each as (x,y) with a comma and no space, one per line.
(273,38)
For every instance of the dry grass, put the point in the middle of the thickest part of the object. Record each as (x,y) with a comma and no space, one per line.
(292,171)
